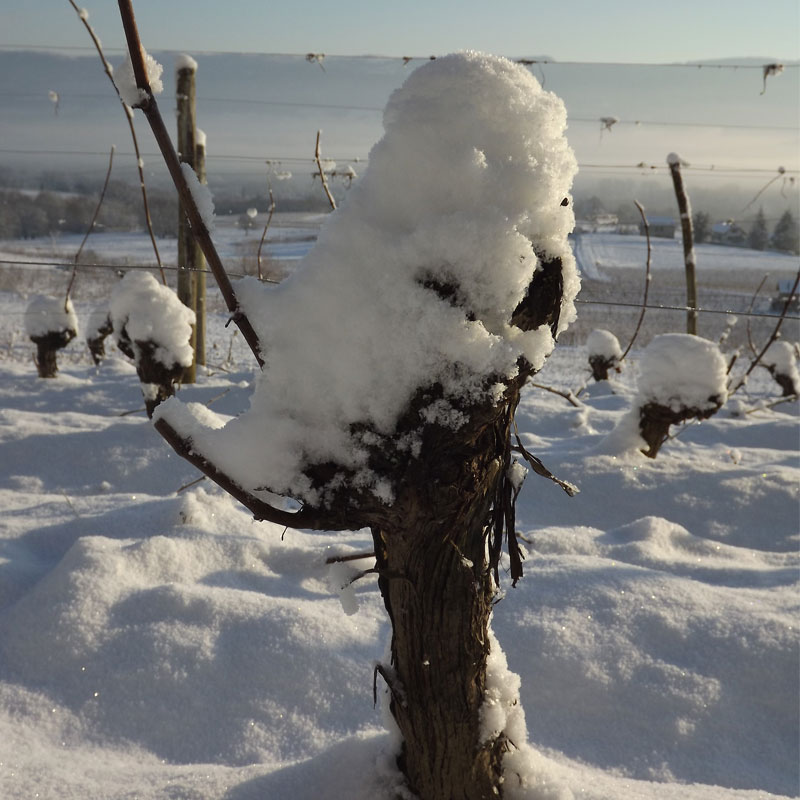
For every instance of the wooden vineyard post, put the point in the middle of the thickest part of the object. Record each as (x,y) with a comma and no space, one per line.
(199,261)
(185,100)
(687,229)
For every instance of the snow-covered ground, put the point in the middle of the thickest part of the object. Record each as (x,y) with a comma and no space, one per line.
(597,252)
(155,642)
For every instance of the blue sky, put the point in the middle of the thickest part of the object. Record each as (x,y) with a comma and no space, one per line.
(569,30)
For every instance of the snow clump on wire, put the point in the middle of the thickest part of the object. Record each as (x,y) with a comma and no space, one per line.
(46,315)
(468,189)
(143,310)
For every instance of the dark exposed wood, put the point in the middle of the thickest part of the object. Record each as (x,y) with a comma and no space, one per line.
(655,421)
(96,343)
(47,347)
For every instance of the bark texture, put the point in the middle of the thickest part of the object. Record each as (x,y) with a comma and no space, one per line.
(437,584)
(157,379)
(655,421)
(601,365)
(47,348)
(96,343)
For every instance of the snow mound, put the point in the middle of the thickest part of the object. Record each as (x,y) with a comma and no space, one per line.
(782,358)
(681,370)
(149,311)
(50,315)
(603,343)
(413,281)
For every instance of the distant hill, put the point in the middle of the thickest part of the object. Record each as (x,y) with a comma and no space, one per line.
(256,108)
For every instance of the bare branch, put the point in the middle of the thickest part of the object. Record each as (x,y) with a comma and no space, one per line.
(569,396)
(754,363)
(129,118)
(149,107)
(91,225)
(306,517)
(647,279)
(749,309)
(322,174)
(350,557)
(264,234)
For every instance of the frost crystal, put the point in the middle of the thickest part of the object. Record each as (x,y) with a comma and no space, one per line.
(125,80)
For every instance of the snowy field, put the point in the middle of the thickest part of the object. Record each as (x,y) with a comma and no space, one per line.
(155,642)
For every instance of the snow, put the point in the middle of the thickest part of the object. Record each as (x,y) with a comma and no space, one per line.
(151,312)
(464,189)
(681,370)
(782,356)
(125,80)
(98,319)
(50,315)
(156,642)
(159,644)
(202,196)
(185,61)
(603,343)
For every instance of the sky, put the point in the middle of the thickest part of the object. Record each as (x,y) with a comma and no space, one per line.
(572,30)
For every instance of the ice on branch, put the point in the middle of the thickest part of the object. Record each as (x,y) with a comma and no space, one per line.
(125,80)
(411,285)
(202,196)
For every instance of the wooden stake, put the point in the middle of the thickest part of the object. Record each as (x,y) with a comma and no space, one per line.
(199,262)
(674,162)
(185,100)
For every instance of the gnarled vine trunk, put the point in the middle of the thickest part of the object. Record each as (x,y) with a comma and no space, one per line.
(437,585)
(47,347)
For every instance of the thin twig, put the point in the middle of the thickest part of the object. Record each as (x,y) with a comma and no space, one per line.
(566,395)
(264,235)
(790,399)
(350,557)
(647,280)
(149,107)
(190,484)
(129,118)
(749,309)
(133,411)
(91,226)
(322,174)
(754,363)
(781,173)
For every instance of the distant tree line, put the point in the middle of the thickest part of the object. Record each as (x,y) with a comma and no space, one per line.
(26,214)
